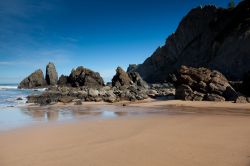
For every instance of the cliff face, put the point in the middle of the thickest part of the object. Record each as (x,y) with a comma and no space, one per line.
(206,37)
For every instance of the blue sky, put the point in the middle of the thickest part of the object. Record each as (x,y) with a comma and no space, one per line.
(96,34)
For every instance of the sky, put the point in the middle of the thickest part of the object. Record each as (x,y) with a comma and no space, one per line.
(96,34)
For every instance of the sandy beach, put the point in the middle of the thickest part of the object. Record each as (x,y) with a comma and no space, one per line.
(157,139)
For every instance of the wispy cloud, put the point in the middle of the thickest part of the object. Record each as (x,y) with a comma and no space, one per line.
(7,63)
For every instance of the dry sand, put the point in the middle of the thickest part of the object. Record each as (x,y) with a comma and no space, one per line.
(149,140)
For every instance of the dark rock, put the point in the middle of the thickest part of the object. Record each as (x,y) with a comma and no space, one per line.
(205,81)
(207,36)
(19,98)
(63,80)
(51,74)
(121,78)
(35,80)
(164,90)
(45,98)
(184,92)
(214,97)
(136,78)
(85,77)
(131,68)
(246,84)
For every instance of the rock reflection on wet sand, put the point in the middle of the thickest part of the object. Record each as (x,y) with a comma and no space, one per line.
(61,113)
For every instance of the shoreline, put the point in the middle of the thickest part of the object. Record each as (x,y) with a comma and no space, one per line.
(154,103)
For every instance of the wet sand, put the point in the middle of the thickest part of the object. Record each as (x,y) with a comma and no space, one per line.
(185,139)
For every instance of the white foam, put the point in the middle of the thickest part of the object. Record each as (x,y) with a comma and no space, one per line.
(2,87)
(40,89)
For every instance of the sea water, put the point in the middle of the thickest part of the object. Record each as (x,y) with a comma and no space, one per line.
(15,113)
(11,101)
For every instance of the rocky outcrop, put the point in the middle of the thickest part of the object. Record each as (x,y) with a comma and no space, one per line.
(203,84)
(51,74)
(131,68)
(85,77)
(121,78)
(207,36)
(63,80)
(78,87)
(35,80)
(137,80)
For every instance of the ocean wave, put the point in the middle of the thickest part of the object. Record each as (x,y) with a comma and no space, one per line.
(7,87)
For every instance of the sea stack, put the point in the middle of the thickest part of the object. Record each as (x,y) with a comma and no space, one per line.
(34,80)
(51,74)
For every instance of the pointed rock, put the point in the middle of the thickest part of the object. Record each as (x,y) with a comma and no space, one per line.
(51,74)
(121,78)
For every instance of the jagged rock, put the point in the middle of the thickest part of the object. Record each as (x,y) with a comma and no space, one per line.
(51,74)
(162,90)
(35,80)
(131,68)
(205,81)
(214,97)
(121,78)
(207,36)
(85,77)
(63,80)
(136,79)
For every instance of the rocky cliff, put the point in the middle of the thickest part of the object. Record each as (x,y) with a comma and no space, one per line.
(206,37)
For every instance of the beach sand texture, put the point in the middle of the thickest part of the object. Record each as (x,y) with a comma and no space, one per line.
(150,140)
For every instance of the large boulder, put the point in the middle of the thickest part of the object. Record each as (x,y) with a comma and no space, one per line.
(121,78)
(51,74)
(85,77)
(207,36)
(34,80)
(195,81)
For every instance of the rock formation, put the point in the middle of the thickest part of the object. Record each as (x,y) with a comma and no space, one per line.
(35,80)
(203,84)
(86,85)
(207,36)
(63,80)
(85,77)
(121,78)
(51,74)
